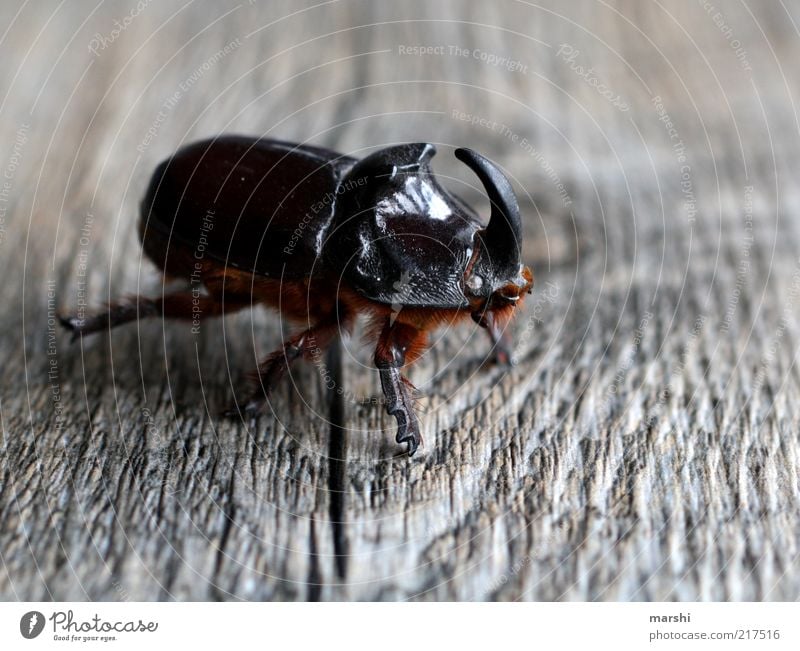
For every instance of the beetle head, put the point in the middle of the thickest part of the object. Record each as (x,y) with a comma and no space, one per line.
(496,278)
(398,236)
(395,224)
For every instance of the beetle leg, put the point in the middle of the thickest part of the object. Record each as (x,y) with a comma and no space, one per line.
(390,356)
(499,336)
(309,344)
(181,305)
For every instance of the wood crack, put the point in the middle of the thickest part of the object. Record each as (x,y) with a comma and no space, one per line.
(337,463)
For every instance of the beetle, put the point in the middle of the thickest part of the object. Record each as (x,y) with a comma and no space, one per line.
(324,237)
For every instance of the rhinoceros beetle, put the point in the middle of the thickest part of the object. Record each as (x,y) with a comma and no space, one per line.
(324,237)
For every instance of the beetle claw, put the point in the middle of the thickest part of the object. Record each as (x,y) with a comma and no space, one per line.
(413,441)
(399,404)
(73,324)
(407,429)
(503,357)
(231,412)
(407,425)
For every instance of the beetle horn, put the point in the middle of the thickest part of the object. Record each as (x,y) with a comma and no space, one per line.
(503,236)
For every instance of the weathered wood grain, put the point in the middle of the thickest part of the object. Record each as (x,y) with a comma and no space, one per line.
(645,446)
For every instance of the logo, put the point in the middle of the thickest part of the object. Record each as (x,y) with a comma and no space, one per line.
(31,624)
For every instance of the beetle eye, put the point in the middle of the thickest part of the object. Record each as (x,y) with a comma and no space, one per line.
(508,294)
(474,283)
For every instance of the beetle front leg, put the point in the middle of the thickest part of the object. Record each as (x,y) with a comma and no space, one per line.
(394,344)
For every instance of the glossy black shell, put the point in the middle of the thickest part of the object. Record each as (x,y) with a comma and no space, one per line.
(383,225)
(267,203)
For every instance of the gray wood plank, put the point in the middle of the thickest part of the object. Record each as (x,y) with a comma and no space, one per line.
(645,446)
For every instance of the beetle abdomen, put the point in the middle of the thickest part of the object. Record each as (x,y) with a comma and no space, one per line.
(258,205)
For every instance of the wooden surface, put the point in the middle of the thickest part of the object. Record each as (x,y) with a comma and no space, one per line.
(644,447)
